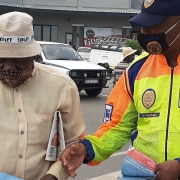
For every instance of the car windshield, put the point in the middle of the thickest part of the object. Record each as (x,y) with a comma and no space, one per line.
(84,49)
(60,52)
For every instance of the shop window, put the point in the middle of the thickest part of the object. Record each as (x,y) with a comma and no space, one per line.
(46,33)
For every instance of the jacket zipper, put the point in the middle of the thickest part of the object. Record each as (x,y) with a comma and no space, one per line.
(168,116)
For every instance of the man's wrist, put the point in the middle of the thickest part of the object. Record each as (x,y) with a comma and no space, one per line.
(49,177)
(90,151)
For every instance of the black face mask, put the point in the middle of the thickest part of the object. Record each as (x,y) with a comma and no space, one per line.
(131,59)
(156,43)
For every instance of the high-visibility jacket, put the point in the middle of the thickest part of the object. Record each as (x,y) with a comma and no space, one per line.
(146,97)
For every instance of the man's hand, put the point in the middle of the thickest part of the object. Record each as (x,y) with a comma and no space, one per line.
(168,170)
(72,158)
(48,177)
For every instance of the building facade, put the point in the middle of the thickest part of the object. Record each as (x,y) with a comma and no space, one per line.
(78,22)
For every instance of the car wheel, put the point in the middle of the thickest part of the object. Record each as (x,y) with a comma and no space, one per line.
(93,92)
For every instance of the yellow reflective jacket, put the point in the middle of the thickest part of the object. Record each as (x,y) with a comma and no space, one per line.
(146,97)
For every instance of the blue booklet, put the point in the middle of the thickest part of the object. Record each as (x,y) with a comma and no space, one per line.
(4,176)
(138,166)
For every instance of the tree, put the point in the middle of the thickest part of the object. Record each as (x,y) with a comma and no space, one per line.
(134,44)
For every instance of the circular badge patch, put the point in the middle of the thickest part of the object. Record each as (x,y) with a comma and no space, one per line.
(148,98)
(154,47)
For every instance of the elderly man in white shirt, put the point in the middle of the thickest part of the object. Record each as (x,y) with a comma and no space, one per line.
(30,93)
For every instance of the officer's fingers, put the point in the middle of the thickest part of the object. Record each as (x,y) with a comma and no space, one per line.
(65,158)
(71,173)
(158,167)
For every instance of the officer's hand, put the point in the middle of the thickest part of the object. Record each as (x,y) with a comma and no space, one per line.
(72,158)
(168,170)
(48,177)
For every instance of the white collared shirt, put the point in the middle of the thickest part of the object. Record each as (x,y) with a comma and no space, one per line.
(26,119)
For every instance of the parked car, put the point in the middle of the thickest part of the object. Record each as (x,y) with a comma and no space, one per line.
(111,55)
(84,52)
(88,76)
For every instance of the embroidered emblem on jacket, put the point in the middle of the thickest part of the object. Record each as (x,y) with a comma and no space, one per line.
(108,113)
(148,98)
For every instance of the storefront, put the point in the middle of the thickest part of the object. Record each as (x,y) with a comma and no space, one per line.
(78,23)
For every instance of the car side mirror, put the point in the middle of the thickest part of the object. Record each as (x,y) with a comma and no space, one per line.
(39,58)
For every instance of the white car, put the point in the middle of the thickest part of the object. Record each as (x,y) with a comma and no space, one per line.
(88,76)
(106,54)
(84,52)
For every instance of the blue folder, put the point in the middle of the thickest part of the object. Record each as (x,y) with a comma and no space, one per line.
(133,168)
(4,176)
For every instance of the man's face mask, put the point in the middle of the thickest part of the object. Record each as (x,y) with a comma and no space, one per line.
(18,74)
(131,59)
(156,43)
